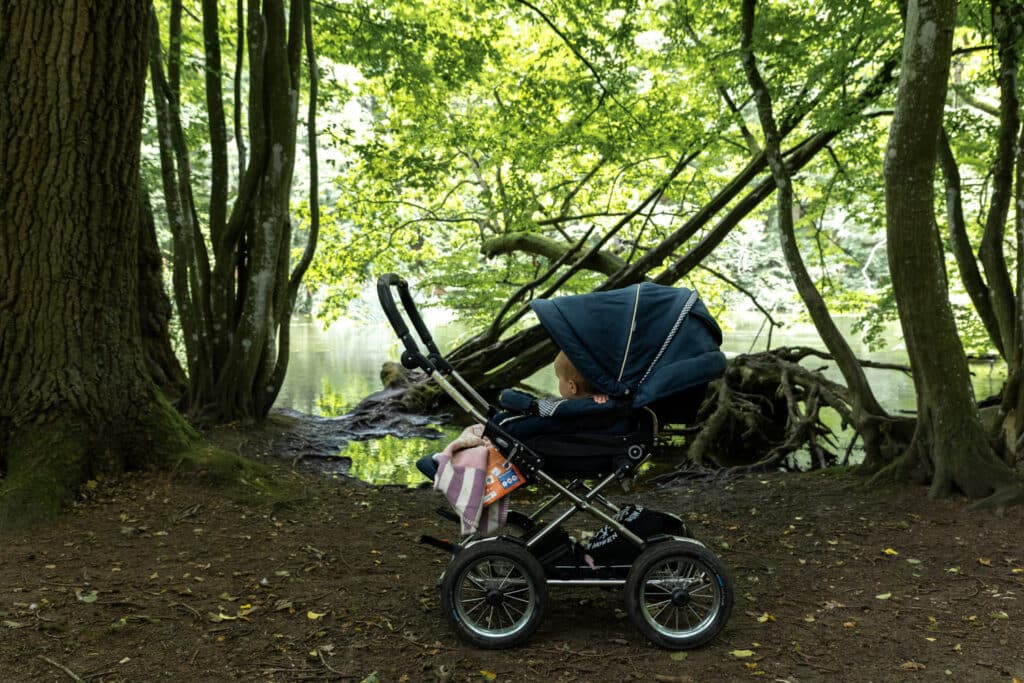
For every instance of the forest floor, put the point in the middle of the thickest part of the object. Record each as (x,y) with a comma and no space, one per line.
(156,577)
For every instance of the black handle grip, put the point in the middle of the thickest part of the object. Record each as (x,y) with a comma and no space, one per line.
(387,302)
(412,357)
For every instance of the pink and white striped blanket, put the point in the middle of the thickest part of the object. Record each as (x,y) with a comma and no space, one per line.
(461,471)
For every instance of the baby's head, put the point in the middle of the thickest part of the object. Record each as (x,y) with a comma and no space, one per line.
(571,384)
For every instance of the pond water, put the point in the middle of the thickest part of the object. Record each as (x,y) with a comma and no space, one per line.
(330,370)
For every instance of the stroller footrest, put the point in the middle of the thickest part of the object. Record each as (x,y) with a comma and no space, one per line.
(442,544)
(447,514)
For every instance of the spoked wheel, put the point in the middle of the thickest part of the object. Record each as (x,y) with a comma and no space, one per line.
(679,594)
(494,594)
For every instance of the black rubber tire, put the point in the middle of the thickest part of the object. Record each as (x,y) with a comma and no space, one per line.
(507,574)
(679,594)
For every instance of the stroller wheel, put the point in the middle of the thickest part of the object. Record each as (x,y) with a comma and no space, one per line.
(679,594)
(494,594)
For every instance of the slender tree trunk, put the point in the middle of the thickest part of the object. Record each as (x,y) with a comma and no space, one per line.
(75,394)
(235,295)
(1008,30)
(991,251)
(951,443)
(868,415)
(155,313)
(970,274)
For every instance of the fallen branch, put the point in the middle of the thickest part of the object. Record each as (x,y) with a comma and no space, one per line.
(58,665)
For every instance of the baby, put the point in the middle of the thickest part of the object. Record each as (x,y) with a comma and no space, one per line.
(572,384)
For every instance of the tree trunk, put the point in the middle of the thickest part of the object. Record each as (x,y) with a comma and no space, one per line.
(76,398)
(155,313)
(957,452)
(235,295)
(551,249)
(868,415)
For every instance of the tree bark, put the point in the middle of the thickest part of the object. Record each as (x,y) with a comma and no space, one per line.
(951,443)
(970,274)
(235,295)
(991,251)
(868,415)
(155,313)
(551,249)
(75,394)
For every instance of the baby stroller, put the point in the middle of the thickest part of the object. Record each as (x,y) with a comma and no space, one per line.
(653,349)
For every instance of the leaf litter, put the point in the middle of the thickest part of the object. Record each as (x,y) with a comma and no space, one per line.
(268,592)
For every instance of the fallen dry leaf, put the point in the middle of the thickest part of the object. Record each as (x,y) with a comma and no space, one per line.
(220,616)
(911,665)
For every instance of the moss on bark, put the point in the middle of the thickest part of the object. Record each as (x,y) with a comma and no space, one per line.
(45,462)
(48,461)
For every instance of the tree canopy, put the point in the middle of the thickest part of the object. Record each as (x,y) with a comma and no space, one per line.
(560,119)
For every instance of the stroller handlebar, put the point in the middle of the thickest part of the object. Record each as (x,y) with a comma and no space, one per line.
(433,363)
(413,357)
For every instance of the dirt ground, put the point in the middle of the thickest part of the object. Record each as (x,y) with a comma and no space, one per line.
(155,577)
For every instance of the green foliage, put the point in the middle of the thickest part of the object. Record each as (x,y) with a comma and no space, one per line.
(878,312)
(451,122)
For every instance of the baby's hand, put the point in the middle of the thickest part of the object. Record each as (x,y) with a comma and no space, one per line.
(600,398)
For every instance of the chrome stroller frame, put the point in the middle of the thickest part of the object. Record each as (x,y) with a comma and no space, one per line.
(494,589)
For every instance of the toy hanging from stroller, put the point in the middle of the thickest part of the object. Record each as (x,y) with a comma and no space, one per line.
(653,350)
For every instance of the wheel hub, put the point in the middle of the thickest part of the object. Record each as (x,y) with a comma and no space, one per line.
(680,597)
(494,597)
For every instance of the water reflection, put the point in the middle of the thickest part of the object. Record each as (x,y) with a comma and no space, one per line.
(331,370)
(391,460)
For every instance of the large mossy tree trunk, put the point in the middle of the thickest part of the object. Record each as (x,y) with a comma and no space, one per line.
(76,398)
(951,446)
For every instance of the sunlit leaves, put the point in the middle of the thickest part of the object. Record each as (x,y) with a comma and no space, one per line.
(447,122)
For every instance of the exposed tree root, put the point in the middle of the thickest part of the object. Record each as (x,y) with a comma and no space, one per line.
(45,463)
(1003,498)
(767,407)
(970,467)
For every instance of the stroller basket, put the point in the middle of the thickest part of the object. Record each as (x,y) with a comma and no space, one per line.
(494,590)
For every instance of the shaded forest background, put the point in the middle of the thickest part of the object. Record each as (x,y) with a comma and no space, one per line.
(799,158)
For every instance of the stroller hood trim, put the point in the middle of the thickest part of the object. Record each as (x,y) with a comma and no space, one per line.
(614,337)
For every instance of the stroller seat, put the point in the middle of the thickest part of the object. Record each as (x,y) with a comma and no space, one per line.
(590,455)
(583,439)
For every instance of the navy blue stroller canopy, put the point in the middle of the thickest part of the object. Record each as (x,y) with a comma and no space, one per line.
(645,342)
